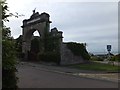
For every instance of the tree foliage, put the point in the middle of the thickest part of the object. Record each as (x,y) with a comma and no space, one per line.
(50,57)
(9,79)
(18,45)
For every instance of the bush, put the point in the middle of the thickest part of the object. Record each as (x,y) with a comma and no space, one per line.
(95,58)
(78,50)
(49,57)
(115,58)
(9,79)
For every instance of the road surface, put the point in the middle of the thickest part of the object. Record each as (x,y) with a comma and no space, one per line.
(39,77)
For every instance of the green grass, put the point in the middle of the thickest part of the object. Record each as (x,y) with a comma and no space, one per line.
(96,66)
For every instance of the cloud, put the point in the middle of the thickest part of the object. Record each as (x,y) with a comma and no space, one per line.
(95,23)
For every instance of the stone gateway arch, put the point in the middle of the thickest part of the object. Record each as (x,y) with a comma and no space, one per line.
(51,40)
(41,23)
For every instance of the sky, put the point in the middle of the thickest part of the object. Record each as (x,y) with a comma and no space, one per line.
(94,22)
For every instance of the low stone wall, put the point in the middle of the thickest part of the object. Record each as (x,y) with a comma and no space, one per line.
(67,57)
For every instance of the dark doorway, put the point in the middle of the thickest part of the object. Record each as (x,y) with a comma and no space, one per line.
(35,46)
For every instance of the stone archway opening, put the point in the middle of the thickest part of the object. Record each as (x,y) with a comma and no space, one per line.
(36,44)
(36,33)
(35,40)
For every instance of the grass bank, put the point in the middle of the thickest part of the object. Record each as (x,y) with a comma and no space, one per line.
(96,66)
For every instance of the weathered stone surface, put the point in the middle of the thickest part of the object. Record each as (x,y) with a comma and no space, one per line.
(31,25)
(67,57)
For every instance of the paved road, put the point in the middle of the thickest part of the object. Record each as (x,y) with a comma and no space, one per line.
(39,77)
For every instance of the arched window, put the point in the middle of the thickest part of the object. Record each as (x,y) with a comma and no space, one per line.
(36,33)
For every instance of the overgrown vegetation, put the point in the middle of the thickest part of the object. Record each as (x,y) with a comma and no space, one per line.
(9,79)
(106,57)
(47,50)
(78,49)
(96,58)
(51,46)
(115,58)
(18,45)
(52,50)
(50,57)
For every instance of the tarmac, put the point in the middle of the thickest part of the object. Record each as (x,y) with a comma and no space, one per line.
(101,75)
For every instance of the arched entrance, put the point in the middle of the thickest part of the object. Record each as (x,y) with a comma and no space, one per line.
(39,22)
(36,46)
(36,43)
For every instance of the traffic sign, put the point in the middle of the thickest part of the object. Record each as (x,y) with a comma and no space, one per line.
(109,47)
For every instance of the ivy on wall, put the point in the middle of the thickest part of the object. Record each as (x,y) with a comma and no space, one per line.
(78,49)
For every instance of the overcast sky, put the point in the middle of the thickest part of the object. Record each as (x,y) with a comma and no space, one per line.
(93,22)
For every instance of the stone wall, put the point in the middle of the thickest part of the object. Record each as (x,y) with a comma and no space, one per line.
(67,57)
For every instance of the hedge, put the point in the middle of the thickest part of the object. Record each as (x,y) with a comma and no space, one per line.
(49,57)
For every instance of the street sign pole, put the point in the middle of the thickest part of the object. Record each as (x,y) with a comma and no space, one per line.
(109,56)
(109,49)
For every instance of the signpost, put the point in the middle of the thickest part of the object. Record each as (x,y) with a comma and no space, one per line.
(109,56)
(109,48)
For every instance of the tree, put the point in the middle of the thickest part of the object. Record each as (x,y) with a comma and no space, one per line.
(18,45)
(9,79)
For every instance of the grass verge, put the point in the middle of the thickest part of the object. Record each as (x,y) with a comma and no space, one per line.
(96,66)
